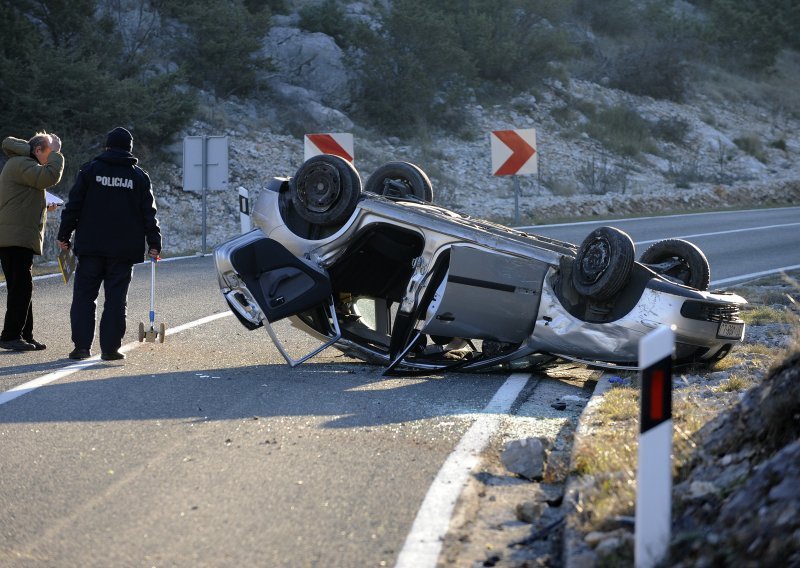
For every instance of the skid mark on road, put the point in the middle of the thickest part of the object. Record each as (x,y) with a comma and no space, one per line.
(34,384)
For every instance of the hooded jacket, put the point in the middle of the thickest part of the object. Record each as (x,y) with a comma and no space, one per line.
(112,209)
(23,207)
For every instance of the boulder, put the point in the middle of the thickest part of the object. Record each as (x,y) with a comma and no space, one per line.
(312,61)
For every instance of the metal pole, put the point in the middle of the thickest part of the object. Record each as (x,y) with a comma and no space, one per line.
(516,200)
(152,292)
(205,186)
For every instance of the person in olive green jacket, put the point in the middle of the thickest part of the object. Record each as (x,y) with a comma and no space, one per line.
(32,166)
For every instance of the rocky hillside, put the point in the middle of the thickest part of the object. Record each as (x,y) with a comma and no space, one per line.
(578,175)
(732,142)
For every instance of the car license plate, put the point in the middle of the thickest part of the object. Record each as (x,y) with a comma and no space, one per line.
(727,330)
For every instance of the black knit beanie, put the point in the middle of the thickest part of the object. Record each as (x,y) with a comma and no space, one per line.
(120,139)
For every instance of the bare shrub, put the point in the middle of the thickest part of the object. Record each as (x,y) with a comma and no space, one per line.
(601,177)
(658,70)
(623,130)
(673,129)
(687,172)
(751,144)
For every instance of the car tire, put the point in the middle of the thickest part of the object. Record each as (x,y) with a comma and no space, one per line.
(325,190)
(400,179)
(679,260)
(603,264)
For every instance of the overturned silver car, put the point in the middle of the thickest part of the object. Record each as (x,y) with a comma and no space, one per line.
(386,276)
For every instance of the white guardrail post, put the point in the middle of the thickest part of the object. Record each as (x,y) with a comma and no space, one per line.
(654,475)
(244,209)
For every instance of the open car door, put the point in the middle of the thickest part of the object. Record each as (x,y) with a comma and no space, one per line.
(473,293)
(280,285)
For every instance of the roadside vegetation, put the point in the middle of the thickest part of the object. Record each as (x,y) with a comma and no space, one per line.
(149,62)
(606,459)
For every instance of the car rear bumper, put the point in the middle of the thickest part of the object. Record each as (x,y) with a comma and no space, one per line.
(557,331)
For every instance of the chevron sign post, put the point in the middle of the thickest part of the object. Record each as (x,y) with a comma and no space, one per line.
(338,144)
(654,476)
(514,154)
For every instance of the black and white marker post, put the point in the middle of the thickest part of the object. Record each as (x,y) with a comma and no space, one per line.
(654,476)
(244,209)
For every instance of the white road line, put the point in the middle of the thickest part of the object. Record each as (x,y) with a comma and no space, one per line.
(34,384)
(424,542)
(170,259)
(754,275)
(574,224)
(766,227)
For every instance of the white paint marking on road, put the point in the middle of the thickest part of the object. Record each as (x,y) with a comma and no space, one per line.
(754,275)
(766,227)
(575,224)
(34,384)
(424,542)
(195,323)
(170,259)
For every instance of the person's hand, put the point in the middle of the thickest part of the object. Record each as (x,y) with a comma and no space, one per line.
(63,245)
(52,207)
(154,254)
(55,143)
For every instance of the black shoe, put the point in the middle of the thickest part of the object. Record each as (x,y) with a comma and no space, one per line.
(112,356)
(17,345)
(79,354)
(38,346)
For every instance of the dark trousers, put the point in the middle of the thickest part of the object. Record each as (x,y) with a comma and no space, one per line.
(115,275)
(17,263)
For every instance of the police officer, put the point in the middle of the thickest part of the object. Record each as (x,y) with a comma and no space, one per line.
(112,210)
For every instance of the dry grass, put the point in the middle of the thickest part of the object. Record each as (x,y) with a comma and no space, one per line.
(608,457)
(735,383)
(732,360)
(610,453)
(761,315)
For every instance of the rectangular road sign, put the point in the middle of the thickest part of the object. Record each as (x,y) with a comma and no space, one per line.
(205,163)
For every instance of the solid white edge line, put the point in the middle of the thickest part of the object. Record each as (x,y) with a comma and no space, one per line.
(424,542)
(651,217)
(34,384)
(743,230)
(171,259)
(754,275)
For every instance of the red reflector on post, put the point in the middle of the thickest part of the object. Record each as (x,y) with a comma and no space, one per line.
(656,405)
(657,395)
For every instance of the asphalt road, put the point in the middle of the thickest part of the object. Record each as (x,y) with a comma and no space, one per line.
(736,242)
(207,450)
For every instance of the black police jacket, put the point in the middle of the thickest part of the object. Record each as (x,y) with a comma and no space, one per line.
(112,209)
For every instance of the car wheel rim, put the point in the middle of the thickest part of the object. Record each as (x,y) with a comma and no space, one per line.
(320,189)
(596,260)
